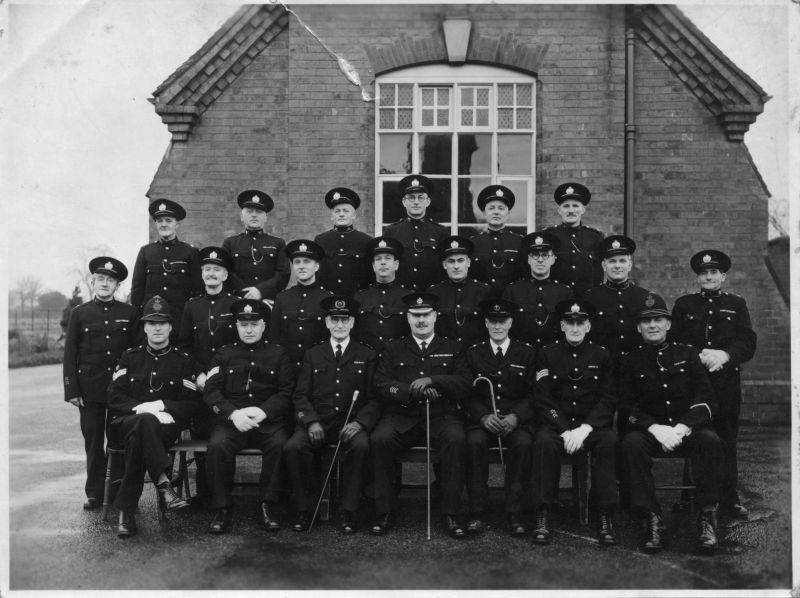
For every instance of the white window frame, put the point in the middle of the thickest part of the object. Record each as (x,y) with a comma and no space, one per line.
(449,76)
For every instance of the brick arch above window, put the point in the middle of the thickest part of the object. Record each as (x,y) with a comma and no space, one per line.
(505,51)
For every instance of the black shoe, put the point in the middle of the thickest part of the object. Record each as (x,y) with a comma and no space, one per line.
(734,511)
(168,500)
(707,531)
(654,532)
(381,525)
(517,527)
(605,529)
(91,503)
(127,525)
(222,522)
(268,520)
(302,522)
(475,524)
(454,528)
(541,535)
(348,522)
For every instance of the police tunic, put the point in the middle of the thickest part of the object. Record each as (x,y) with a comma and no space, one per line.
(297,321)
(170,269)
(459,317)
(259,261)
(578,262)
(207,325)
(421,264)
(97,334)
(536,323)
(382,315)
(343,270)
(496,259)
(614,326)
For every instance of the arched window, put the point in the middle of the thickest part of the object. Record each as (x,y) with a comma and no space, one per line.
(464,127)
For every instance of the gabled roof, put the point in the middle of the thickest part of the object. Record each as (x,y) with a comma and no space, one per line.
(733,97)
(190,90)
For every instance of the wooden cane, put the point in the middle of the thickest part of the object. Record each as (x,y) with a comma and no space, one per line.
(494,410)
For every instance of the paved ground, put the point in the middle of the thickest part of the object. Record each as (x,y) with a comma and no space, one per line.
(56,545)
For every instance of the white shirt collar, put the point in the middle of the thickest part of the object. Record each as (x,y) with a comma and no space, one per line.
(343,343)
(427,342)
(504,346)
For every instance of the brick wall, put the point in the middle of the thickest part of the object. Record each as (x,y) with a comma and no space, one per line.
(696,190)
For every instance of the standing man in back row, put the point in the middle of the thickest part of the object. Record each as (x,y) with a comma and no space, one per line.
(421,265)
(578,263)
(260,269)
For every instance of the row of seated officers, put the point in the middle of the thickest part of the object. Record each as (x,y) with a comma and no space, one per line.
(559,399)
(298,321)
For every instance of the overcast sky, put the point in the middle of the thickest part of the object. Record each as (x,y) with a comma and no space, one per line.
(82,142)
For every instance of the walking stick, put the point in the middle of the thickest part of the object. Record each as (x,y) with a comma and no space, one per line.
(333,461)
(494,410)
(428,457)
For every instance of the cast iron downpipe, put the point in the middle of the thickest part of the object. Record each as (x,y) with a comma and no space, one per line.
(630,132)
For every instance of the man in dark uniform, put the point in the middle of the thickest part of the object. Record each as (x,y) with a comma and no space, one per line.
(249,389)
(576,405)
(167,267)
(97,334)
(459,315)
(344,271)
(509,367)
(496,258)
(297,321)
(412,371)
(718,325)
(419,235)
(206,326)
(260,269)
(331,373)
(578,263)
(536,322)
(382,315)
(150,400)
(665,390)
(617,299)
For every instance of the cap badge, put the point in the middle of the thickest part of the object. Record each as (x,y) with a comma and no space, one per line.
(336,195)
(213,255)
(256,199)
(496,307)
(706,258)
(415,183)
(650,301)
(538,241)
(454,245)
(108,266)
(248,309)
(569,191)
(575,308)
(419,301)
(615,244)
(499,193)
(157,306)
(381,243)
(339,304)
(303,247)
(162,207)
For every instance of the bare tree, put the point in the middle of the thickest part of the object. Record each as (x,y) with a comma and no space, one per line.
(28,290)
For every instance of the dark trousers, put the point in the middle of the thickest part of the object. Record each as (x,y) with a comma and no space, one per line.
(704,448)
(200,429)
(447,435)
(223,445)
(726,425)
(518,457)
(93,428)
(146,441)
(299,455)
(548,449)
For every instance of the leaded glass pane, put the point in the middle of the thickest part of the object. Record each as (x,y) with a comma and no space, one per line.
(524,95)
(442,118)
(474,153)
(427,96)
(466,118)
(524,116)
(505,118)
(427,118)
(405,118)
(388,95)
(405,95)
(443,96)
(505,95)
(466,96)
(483,96)
(514,154)
(482,117)
(435,153)
(395,154)
(387,118)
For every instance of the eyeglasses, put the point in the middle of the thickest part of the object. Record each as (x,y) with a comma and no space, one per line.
(540,256)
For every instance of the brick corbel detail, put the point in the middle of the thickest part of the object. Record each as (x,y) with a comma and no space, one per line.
(504,52)
(179,119)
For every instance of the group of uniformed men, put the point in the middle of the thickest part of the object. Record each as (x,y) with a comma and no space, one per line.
(540,343)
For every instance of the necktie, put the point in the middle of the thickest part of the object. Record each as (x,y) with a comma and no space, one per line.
(338,353)
(499,354)
(423,345)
